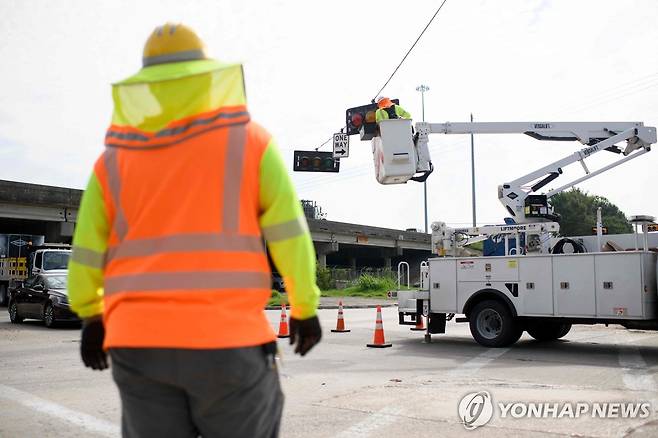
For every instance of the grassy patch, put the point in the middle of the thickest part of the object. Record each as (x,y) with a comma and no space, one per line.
(355,291)
(368,286)
(277,298)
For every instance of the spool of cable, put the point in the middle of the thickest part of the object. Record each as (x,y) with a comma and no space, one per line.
(578,247)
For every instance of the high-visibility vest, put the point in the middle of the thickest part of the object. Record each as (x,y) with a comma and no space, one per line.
(185,264)
(392,112)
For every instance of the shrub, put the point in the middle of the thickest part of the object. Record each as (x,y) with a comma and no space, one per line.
(324,279)
(371,282)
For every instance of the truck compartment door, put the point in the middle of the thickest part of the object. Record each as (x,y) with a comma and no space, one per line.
(573,285)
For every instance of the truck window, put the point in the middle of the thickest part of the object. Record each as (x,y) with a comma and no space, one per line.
(55,260)
(38,260)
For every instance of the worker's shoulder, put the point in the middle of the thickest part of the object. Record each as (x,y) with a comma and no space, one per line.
(257,135)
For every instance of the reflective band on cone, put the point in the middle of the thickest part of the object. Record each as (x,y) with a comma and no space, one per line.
(420,327)
(283,325)
(379,341)
(340,323)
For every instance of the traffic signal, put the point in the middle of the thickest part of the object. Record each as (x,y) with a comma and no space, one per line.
(361,120)
(652,228)
(314,161)
(604,230)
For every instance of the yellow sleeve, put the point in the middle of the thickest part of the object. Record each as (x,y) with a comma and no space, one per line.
(85,282)
(380,115)
(402,113)
(288,239)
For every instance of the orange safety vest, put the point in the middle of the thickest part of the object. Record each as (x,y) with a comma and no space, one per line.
(186,265)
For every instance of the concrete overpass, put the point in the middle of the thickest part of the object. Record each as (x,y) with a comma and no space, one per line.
(52,211)
(355,246)
(38,209)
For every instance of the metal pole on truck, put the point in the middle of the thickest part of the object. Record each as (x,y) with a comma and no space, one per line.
(423,89)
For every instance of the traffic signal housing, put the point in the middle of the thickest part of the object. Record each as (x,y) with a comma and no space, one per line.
(361,120)
(315,161)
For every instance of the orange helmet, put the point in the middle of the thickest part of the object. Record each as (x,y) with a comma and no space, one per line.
(383,102)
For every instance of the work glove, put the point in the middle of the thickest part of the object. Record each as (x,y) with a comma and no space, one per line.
(305,333)
(91,344)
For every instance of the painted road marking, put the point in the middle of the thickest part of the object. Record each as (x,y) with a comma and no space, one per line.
(84,421)
(390,414)
(635,373)
(475,364)
(382,418)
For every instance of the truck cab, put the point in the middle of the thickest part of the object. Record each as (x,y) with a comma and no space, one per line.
(48,258)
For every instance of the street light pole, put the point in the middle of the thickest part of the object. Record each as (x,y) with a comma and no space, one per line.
(423,89)
(473,175)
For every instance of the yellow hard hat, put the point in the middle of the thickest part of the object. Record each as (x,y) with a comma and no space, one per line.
(172,43)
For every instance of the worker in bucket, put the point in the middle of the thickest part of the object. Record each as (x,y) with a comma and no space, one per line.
(386,109)
(169,270)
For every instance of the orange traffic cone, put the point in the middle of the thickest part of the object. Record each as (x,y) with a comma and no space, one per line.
(420,327)
(378,341)
(283,325)
(340,323)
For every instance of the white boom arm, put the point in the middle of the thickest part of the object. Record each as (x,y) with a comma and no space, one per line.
(447,241)
(393,147)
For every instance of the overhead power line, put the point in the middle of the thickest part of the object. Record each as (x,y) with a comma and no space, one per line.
(410,49)
(399,65)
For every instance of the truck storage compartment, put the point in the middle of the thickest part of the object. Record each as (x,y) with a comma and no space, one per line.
(443,285)
(573,285)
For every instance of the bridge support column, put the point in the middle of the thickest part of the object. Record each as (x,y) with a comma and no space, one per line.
(322,249)
(387,254)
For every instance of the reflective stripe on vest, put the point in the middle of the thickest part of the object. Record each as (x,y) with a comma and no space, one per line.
(125,136)
(237,137)
(187,280)
(185,243)
(88,257)
(114,183)
(285,230)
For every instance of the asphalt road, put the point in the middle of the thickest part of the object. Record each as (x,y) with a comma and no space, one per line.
(344,389)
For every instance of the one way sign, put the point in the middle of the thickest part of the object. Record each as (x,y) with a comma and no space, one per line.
(341,145)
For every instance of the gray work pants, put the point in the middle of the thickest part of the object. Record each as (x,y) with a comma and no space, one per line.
(190,393)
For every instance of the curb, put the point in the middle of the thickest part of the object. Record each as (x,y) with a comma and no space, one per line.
(345,306)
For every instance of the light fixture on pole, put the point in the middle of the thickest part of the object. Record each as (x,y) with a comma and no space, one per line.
(423,89)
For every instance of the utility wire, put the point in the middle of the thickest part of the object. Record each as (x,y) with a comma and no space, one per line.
(399,65)
(409,51)
(327,141)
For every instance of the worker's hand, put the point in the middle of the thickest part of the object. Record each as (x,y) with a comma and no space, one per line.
(305,333)
(91,344)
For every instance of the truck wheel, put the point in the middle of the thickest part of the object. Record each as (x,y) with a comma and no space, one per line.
(548,331)
(13,314)
(492,324)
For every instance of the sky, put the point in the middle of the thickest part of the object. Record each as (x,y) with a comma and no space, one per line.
(307,62)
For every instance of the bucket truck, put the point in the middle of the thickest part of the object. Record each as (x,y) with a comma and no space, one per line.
(534,288)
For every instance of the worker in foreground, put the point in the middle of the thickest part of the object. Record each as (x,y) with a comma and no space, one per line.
(169,270)
(386,109)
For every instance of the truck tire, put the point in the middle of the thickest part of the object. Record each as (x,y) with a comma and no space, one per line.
(548,331)
(493,325)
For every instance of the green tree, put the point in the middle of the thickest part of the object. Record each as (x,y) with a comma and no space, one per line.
(578,214)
